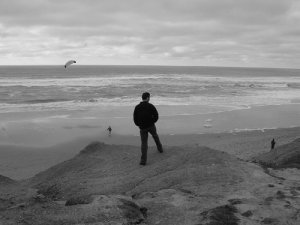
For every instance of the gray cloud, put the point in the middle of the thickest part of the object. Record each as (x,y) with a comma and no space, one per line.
(200,32)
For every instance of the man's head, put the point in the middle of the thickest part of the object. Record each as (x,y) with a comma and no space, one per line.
(146,96)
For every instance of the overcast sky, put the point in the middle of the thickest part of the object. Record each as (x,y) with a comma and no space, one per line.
(261,33)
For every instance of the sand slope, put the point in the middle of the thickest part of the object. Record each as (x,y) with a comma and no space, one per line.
(5,180)
(104,184)
(19,162)
(284,156)
(112,169)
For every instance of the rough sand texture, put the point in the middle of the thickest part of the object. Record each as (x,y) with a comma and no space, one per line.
(244,145)
(20,162)
(185,185)
(284,156)
(5,180)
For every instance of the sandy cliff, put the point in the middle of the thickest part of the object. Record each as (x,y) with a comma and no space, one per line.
(192,185)
(284,156)
(5,180)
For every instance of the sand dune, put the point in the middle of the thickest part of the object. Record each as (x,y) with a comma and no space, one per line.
(284,156)
(115,169)
(5,180)
(104,184)
(19,162)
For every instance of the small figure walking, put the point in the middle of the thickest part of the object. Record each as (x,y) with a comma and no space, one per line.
(109,130)
(273,142)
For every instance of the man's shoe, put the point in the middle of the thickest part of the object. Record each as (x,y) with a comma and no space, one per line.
(142,163)
(160,150)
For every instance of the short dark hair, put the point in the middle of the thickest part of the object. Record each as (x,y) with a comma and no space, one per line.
(145,95)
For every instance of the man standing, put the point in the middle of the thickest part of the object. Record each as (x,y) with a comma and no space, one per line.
(145,116)
(109,130)
(273,142)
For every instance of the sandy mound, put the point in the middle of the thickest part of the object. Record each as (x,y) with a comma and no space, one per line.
(187,185)
(114,169)
(101,210)
(284,156)
(5,180)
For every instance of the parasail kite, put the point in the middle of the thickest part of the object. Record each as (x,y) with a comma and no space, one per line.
(69,63)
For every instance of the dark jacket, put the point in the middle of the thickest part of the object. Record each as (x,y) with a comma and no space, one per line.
(145,115)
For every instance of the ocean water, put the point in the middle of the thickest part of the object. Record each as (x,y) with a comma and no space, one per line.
(42,88)
(91,97)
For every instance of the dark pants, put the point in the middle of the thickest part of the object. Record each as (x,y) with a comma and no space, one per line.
(144,139)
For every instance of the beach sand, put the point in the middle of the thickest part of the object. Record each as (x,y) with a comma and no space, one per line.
(19,162)
(191,184)
(102,182)
(31,143)
(52,128)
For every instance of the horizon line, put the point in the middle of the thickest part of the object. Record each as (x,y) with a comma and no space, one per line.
(151,65)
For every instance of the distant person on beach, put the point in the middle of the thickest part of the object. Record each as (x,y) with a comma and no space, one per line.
(145,116)
(109,130)
(273,144)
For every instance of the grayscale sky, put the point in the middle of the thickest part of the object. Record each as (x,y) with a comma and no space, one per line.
(260,33)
